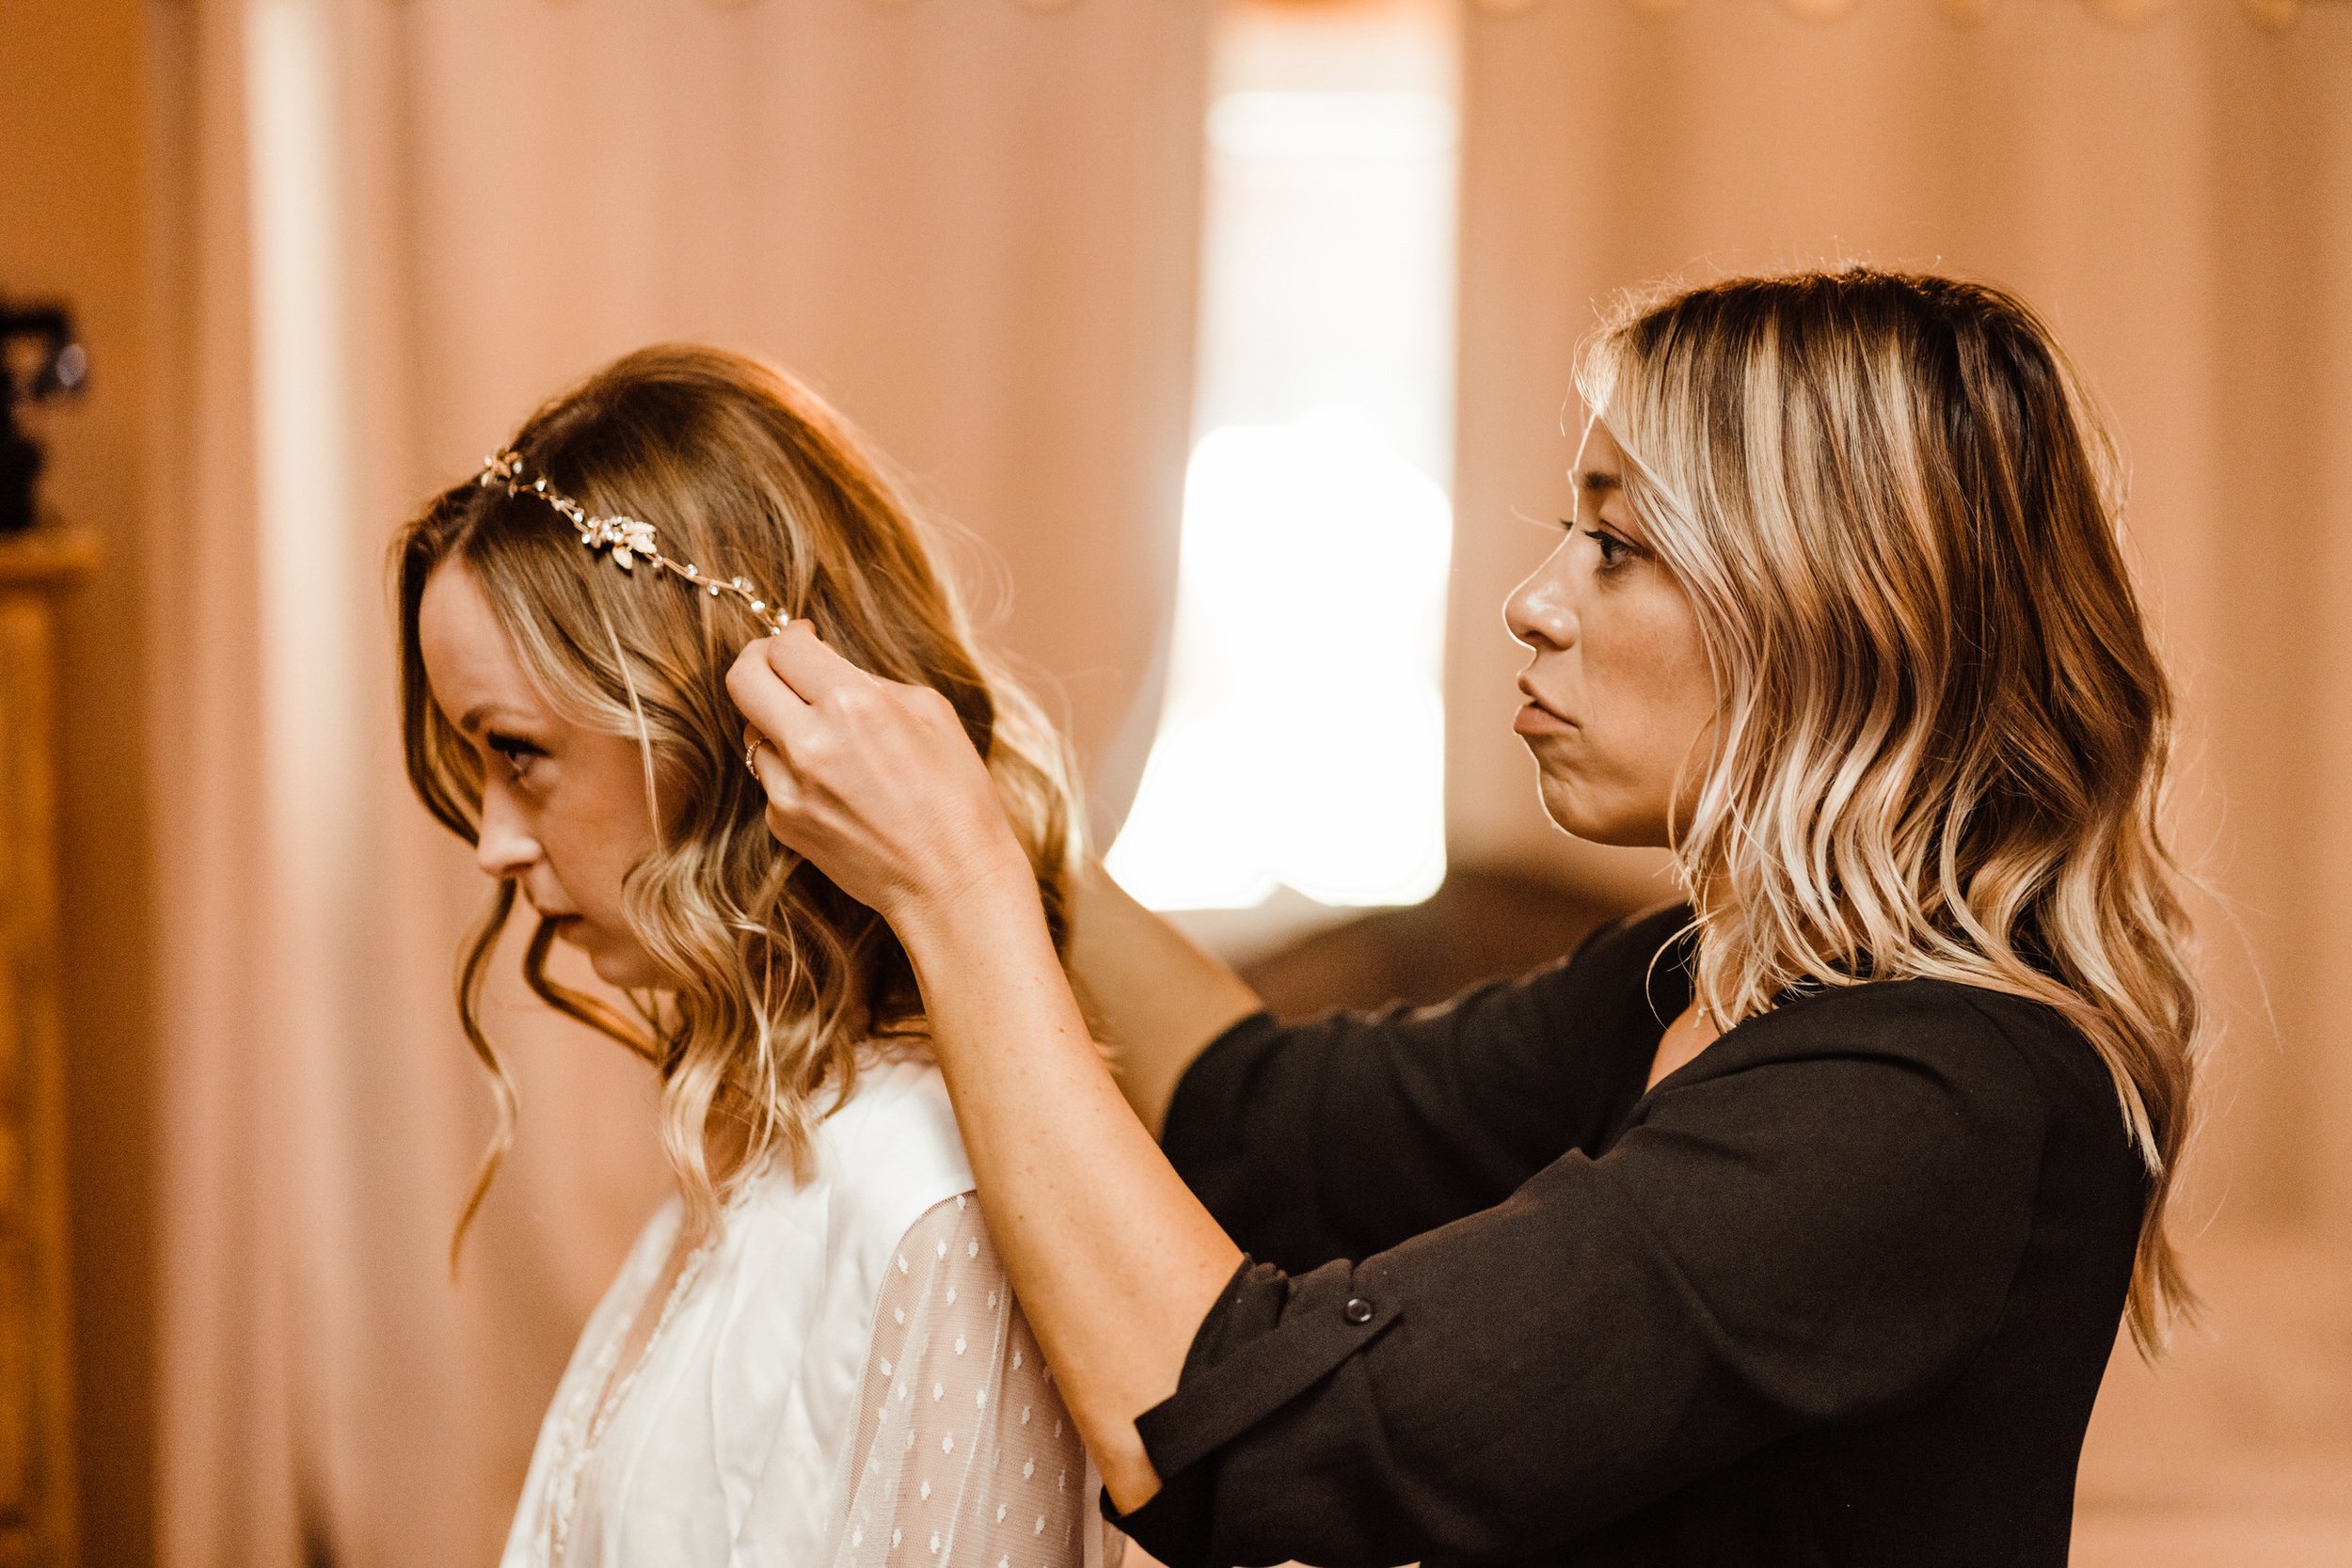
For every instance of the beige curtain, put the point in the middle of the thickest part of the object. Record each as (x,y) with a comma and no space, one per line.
(2177,197)
(389,228)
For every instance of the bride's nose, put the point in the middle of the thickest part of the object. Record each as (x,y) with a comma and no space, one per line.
(506,846)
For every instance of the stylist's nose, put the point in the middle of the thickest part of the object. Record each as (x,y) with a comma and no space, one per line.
(1537,612)
(505,848)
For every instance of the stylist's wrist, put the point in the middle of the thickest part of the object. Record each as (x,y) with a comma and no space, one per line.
(982,892)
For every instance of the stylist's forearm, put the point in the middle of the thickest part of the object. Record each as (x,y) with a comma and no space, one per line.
(1115,1261)
(1158,997)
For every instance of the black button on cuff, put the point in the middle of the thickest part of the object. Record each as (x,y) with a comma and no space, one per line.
(1269,1339)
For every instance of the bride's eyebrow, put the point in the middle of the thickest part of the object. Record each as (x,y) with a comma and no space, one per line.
(480,714)
(1597,484)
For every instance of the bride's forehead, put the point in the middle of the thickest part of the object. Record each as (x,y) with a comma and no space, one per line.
(469,662)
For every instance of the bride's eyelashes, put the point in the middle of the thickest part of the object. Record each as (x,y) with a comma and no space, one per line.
(517,754)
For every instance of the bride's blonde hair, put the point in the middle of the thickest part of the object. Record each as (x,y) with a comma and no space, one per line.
(1942,732)
(777,978)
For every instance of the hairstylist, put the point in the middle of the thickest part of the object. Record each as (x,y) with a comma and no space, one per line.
(1790,1225)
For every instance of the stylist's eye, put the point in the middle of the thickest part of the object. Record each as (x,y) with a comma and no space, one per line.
(1613,551)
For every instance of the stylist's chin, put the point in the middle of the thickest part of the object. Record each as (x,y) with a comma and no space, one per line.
(1581,798)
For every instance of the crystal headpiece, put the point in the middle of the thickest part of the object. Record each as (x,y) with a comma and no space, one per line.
(629,540)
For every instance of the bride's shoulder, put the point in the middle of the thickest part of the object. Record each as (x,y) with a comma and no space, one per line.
(892,1099)
(881,1158)
(893,1142)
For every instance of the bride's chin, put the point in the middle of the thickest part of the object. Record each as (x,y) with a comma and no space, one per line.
(615,963)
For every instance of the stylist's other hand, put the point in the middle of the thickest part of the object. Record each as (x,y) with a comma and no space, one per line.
(875,782)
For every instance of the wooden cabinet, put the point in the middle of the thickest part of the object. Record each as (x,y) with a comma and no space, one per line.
(36,1435)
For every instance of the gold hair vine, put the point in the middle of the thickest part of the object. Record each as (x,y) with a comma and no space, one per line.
(629,540)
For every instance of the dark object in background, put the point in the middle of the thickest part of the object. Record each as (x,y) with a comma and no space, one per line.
(49,363)
(1481,924)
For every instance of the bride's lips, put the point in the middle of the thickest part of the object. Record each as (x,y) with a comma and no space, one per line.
(562,920)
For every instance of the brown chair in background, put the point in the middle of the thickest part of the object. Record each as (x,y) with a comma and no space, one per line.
(1483,923)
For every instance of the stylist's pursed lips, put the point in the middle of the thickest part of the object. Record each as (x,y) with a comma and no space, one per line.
(1538,716)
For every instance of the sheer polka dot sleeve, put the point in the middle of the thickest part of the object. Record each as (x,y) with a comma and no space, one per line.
(965,1456)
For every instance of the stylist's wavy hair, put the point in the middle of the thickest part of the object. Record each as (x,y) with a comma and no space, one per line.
(778,977)
(1943,732)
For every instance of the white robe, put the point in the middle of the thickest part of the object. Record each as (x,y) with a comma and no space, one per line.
(841,1379)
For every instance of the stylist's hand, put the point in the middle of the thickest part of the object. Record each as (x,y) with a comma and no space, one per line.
(875,782)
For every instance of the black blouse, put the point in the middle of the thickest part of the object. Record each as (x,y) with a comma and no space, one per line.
(1839,1291)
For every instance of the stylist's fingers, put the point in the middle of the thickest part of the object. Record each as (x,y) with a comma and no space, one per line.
(754,743)
(812,670)
(769,705)
(784,797)
(876,782)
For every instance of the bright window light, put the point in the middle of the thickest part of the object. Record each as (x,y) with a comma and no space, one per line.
(1304,738)
(1301,744)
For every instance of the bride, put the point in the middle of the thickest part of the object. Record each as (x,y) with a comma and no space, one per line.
(811,1355)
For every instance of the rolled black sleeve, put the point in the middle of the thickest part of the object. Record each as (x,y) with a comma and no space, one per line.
(1807,1226)
(1343,1136)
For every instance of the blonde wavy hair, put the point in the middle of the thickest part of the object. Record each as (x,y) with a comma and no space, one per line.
(1943,733)
(780,983)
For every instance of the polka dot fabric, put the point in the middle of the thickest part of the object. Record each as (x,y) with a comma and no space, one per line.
(965,1455)
(839,1377)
